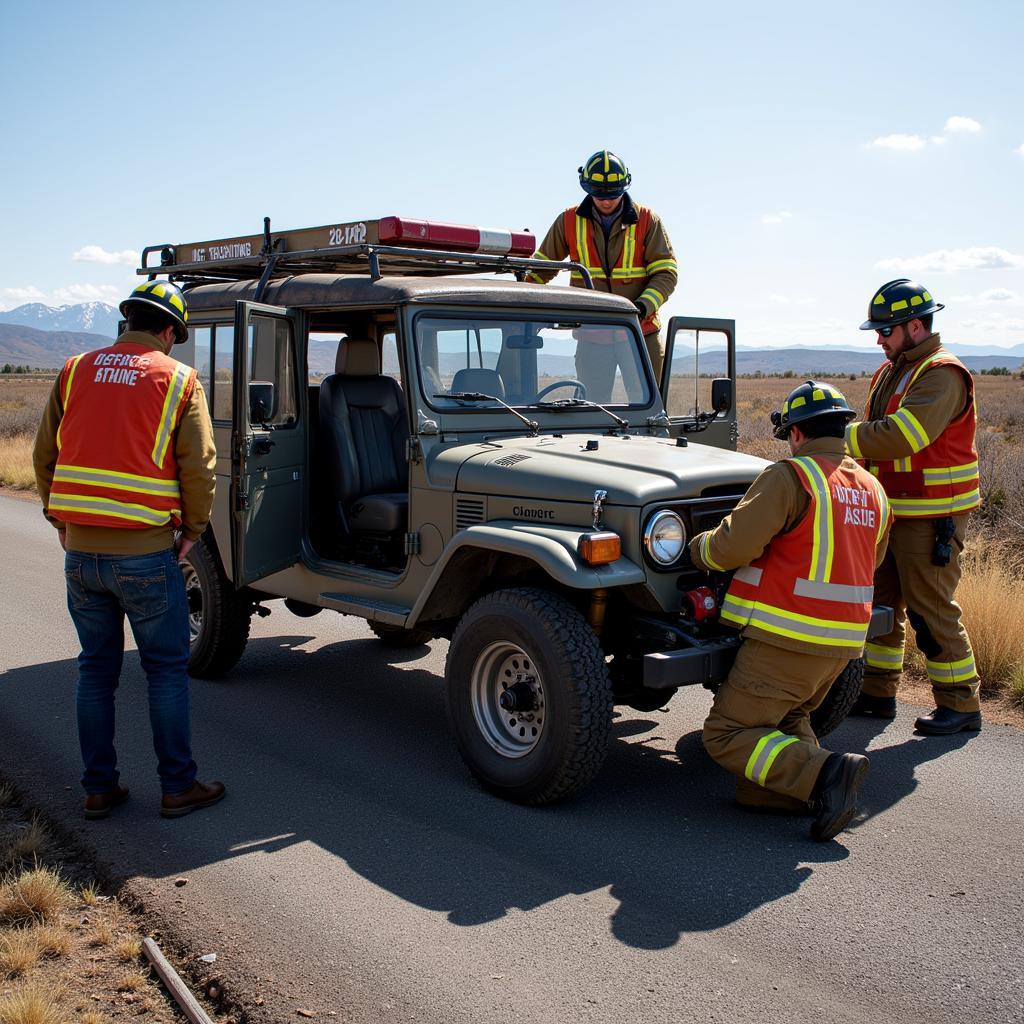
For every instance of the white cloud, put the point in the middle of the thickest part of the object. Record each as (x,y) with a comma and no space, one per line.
(776,218)
(998,295)
(97,254)
(11,297)
(900,143)
(938,140)
(961,126)
(948,261)
(1020,150)
(75,293)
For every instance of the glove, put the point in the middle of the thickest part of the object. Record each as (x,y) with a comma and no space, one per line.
(641,309)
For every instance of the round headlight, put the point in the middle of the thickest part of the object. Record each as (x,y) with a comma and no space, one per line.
(664,537)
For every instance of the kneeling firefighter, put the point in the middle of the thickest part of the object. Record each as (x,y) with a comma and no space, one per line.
(804,541)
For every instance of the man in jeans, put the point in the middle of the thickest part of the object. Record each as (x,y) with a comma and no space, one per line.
(124,458)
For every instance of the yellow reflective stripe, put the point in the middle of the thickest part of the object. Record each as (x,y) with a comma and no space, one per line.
(829,632)
(628,250)
(534,277)
(653,295)
(935,506)
(120,481)
(763,756)
(109,507)
(880,656)
(172,401)
(949,672)
(823,544)
(538,255)
(597,273)
(656,265)
(936,477)
(852,444)
(916,372)
(902,465)
(582,246)
(911,429)
(634,274)
(705,552)
(883,508)
(67,394)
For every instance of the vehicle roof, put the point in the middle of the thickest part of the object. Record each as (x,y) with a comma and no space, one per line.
(332,290)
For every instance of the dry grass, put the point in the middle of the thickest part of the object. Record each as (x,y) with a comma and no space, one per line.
(128,950)
(7,794)
(133,981)
(16,463)
(53,941)
(93,1018)
(89,895)
(1015,687)
(36,895)
(102,935)
(30,1004)
(26,845)
(19,953)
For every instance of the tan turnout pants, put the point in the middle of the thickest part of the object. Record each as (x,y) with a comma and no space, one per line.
(760,727)
(916,589)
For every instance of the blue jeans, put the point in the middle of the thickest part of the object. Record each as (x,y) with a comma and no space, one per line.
(149,589)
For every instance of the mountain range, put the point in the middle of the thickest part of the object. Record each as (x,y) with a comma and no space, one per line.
(45,336)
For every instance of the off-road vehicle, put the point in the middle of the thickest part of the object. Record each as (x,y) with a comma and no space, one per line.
(448,455)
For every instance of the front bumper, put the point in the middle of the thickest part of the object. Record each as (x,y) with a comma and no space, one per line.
(708,662)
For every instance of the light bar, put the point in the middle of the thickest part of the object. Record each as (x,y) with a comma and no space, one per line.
(459,237)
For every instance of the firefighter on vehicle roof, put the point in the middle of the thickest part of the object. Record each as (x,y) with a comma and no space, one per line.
(804,542)
(626,249)
(123,458)
(917,437)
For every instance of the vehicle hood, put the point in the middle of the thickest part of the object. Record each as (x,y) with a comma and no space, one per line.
(633,470)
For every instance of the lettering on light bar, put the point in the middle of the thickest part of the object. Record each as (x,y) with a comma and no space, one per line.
(432,234)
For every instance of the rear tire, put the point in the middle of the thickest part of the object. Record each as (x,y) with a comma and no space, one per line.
(536,648)
(219,617)
(399,636)
(839,700)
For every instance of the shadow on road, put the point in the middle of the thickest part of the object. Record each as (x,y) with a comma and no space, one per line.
(334,747)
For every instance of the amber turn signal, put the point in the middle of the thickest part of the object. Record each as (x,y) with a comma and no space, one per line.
(600,548)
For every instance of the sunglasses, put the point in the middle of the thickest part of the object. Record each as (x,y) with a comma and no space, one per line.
(886,332)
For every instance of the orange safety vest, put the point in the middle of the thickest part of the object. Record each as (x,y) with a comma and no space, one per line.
(815,583)
(116,465)
(940,477)
(632,263)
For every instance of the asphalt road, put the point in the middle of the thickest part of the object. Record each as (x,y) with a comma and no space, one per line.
(355,867)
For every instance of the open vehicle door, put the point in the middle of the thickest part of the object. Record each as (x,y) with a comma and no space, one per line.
(268,443)
(698,381)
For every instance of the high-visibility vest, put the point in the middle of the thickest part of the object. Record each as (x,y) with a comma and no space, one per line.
(940,477)
(815,583)
(116,465)
(631,265)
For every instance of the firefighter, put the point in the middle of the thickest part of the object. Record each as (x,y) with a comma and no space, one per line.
(804,541)
(626,249)
(124,457)
(917,437)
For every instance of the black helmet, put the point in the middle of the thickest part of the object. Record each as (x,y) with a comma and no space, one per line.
(899,302)
(807,402)
(605,175)
(166,297)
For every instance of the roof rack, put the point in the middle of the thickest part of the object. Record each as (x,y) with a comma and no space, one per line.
(392,245)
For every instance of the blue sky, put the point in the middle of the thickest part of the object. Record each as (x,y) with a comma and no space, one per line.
(800,154)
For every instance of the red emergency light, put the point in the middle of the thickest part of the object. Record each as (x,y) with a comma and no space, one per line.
(434,234)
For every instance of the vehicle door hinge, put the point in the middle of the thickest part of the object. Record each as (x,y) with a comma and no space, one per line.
(242,496)
(413,449)
(412,544)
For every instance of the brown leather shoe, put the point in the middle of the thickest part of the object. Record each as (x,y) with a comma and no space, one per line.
(202,794)
(99,805)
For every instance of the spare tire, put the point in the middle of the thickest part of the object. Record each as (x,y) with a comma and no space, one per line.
(839,700)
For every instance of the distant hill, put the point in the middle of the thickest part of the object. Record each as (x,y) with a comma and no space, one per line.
(84,317)
(25,346)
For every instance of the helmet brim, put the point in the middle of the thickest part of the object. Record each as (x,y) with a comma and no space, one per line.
(916,314)
(180,327)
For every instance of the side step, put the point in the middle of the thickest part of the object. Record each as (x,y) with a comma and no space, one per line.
(366,608)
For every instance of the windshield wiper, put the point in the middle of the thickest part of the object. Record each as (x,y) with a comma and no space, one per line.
(479,396)
(570,403)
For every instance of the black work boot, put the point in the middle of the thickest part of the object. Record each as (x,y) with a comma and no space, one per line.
(874,707)
(834,800)
(946,721)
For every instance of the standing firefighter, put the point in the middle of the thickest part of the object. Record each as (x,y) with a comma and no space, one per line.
(917,437)
(125,456)
(804,541)
(626,250)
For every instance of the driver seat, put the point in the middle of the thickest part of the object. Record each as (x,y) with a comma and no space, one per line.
(472,378)
(364,429)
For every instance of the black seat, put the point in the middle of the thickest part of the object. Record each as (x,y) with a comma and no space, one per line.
(363,431)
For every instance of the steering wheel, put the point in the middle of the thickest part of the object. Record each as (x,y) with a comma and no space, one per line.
(571,382)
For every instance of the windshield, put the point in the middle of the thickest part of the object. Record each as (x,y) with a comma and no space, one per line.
(526,362)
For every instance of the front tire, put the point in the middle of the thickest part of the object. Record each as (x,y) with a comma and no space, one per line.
(528,696)
(839,700)
(218,616)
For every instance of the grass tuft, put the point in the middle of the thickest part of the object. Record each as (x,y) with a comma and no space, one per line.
(52,940)
(19,953)
(128,950)
(30,1005)
(28,844)
(1015,687)
(89,895)
(133,981)
(35,895)
(102,935)
(93,1018)
(16,463)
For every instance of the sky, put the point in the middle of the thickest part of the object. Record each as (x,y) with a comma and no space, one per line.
(799,154)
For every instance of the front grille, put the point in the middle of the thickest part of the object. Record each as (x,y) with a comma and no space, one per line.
(468,511)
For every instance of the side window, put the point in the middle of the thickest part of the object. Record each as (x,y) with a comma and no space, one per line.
(223,370)
(270,357)
(202,338)
(391,366)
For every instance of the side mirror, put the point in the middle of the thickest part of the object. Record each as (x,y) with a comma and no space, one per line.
(721,395)
(261,401)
